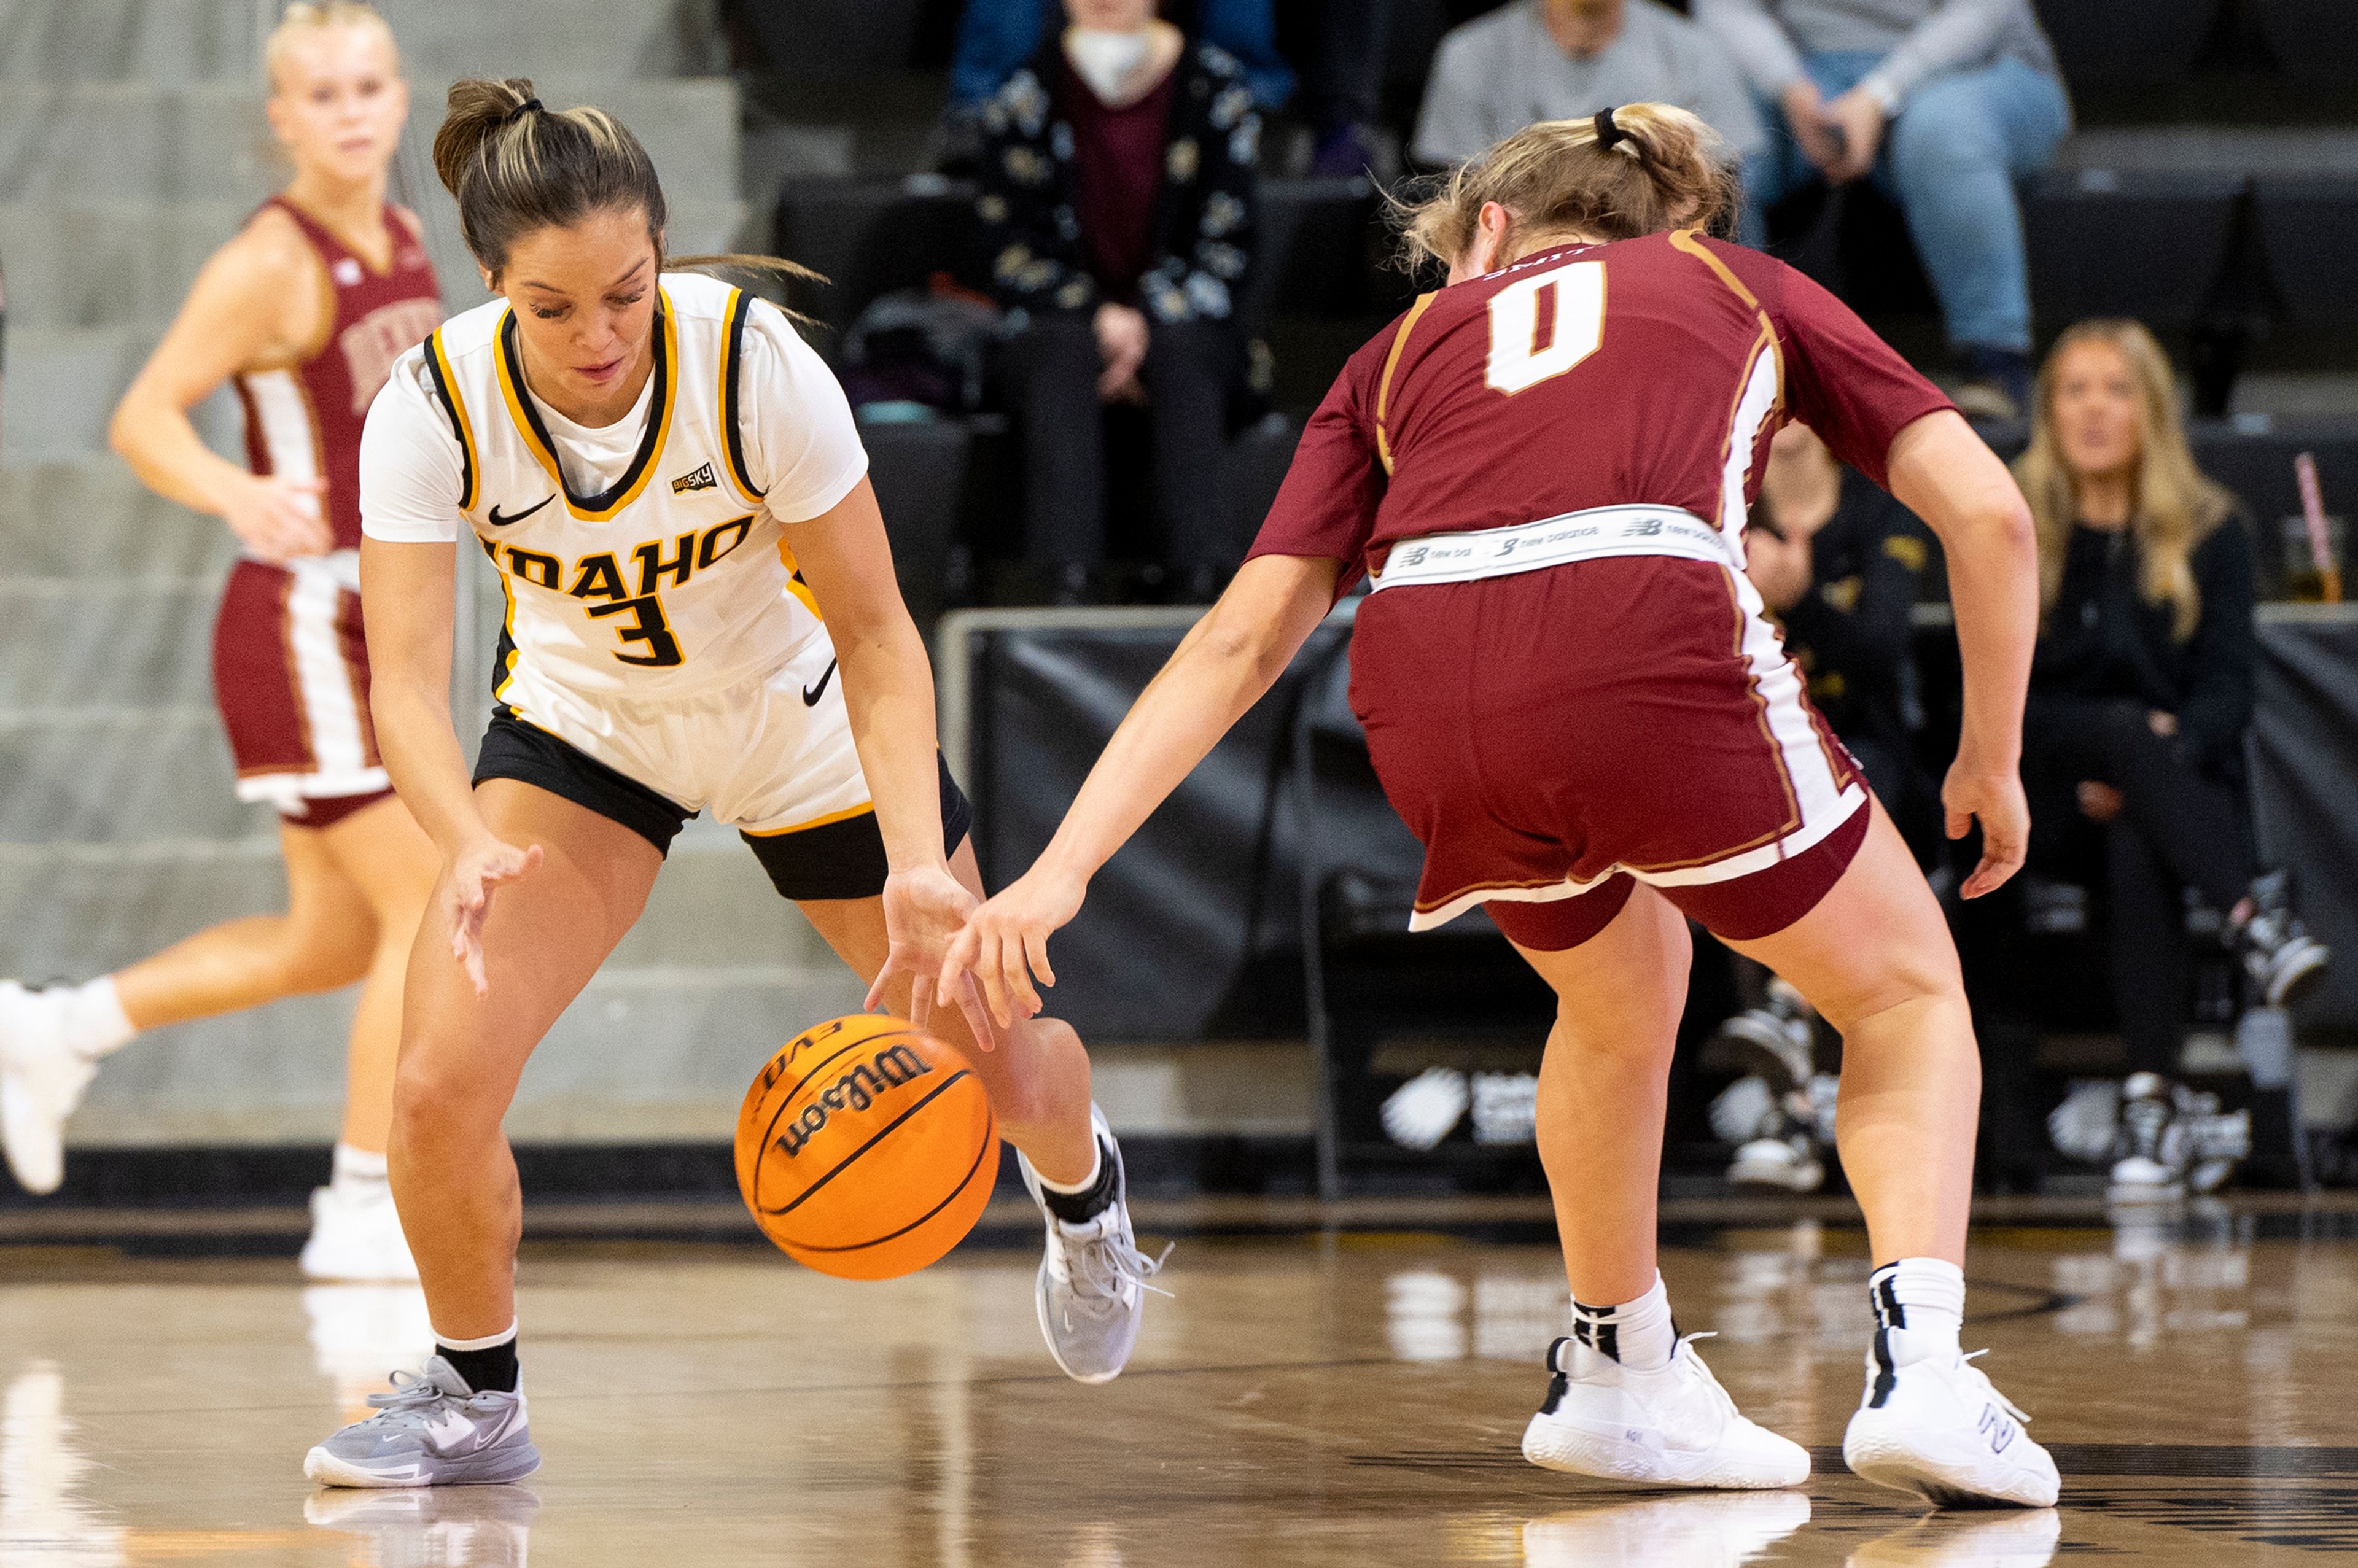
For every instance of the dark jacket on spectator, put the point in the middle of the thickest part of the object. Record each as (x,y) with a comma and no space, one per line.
(1852,633)
(2102,639)
(1204,221)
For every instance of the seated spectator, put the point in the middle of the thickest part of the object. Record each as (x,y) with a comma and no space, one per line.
(1118,199)
(1566,60)
(996,38)
(1344,83)
(2140,694)
(1839,563)
(1968,93)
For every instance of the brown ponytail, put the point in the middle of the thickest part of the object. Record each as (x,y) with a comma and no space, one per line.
(516,165)
(1638,169)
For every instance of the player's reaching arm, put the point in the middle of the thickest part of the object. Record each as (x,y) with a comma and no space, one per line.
(255,302)
(411,525)
(888,692)
(1946,475)
(1225,664)
(1323,518)
(1888,422)
(407,593)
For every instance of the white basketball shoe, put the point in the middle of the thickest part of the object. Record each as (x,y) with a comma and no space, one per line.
(356,1235)
(1674,1426)
(42,1077)
(1931,1423)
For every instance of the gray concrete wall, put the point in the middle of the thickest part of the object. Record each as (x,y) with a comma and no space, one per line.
(131,144)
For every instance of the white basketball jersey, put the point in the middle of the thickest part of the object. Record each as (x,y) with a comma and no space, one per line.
(673,582)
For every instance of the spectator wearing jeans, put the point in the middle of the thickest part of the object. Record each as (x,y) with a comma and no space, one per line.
(2141,691)
(1945,104)
(1565,60)
(1118,198)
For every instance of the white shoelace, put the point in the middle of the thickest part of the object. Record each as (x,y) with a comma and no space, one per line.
(1098,1266)
(408,1403)
(1977,1374)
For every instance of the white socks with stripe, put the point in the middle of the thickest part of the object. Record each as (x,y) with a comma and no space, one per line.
(1923,1298)
(90,1019)
(1639,1334)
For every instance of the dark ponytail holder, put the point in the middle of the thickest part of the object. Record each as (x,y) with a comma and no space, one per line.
(1608,133)
(530,104)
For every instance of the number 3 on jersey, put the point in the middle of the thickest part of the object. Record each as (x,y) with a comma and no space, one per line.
(1544,325)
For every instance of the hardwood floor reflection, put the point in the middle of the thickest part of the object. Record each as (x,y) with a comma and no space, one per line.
(1305,1399)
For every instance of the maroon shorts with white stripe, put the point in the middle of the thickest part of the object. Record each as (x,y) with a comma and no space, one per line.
(291,675)
(1553,736)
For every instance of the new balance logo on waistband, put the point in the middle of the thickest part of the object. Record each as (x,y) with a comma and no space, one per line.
(702,479)
(1598,532)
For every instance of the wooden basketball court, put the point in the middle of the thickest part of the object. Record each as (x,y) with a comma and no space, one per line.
(1341,1386)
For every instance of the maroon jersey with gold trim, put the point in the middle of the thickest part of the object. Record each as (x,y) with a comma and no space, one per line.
(1648,371)
(304,419)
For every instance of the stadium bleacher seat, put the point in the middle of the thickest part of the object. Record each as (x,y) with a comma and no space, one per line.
(919,469)
(2313,40)
(869,237)
(2136,242)
(2257,465)
(2129,43)
(1314,255)
(2308,231)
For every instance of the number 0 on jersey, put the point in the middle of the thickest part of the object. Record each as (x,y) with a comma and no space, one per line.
(1544,325)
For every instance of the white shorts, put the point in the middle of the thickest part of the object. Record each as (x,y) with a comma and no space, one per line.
(771,755)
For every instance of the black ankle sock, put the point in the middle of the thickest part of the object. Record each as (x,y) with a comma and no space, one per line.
(1078,1208)
(487,1371)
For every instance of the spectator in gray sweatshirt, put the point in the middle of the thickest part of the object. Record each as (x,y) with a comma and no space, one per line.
(1945,104)
(1565,60)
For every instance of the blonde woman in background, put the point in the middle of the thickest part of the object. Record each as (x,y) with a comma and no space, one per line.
(303,313)
(2141,694)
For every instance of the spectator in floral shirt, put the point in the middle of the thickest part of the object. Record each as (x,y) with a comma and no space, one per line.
(1118,197)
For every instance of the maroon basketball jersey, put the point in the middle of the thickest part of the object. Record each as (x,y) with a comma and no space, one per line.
(304,419)
(1647,372)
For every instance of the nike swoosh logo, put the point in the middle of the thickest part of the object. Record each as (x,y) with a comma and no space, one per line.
(811,694)
(446,1432)
(499,522)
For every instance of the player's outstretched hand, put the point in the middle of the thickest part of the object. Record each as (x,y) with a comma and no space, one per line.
(1995,801)
(925,908)
(1005,945)
(278,519)
(475,874)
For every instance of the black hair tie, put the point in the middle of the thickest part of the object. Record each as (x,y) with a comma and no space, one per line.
(529,104)
(1608,133)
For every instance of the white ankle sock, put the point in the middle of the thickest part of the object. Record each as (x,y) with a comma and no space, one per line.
(357,1168)
(1074,1189)
(1923,1296)
(1639,1334)
(488,1342)
(94,1022)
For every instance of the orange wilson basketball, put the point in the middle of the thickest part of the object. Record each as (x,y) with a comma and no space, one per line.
(865,1149)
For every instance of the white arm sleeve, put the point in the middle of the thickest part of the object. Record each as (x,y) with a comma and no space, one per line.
(412,472)
(801,444)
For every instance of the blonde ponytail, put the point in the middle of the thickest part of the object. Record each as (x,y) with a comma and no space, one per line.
(1638,169)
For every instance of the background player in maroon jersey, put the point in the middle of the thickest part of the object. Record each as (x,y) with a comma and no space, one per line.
(303,313)
(1572,695)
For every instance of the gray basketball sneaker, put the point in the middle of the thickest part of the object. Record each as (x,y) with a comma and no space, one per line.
(1092,1287)
(431,1430)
